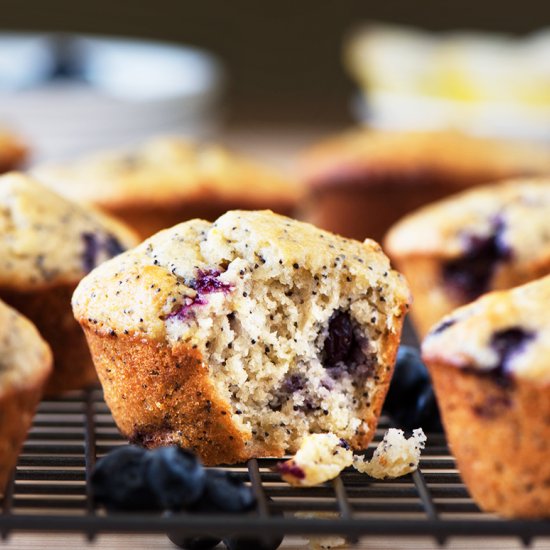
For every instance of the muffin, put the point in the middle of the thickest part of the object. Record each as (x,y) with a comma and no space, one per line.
(238,338)
(25,364)
(12,151)
(490,238)
(363,181)
(489,365)
(169,180)
(47,245)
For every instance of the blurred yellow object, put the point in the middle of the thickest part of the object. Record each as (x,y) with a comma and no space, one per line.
(486,83)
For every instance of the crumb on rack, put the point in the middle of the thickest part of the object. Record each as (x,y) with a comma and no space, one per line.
(320,458)
(395,455)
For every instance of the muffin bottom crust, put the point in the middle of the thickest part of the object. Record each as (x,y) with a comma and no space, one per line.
(499,433)
(17,409)
(162,396)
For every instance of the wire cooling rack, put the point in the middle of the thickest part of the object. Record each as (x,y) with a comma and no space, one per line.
(48,492)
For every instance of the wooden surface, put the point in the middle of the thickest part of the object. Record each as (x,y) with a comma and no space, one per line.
(146,542)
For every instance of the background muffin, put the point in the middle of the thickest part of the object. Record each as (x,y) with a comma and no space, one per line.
(493,237)
(489,365)
(47,245)
(364,180)
(238,338)
(13,152)
(170,180)
(25,364)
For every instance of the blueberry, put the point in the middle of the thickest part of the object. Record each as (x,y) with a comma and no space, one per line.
(410,401)
(508,343)
(224,492)
(339,342)
(207,282)
(470,275)
(98,246)
(427,417)
(120,481)
(250,543)
(113,246)
(176,476)
(194,543)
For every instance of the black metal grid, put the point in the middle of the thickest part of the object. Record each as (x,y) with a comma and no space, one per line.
(49,492)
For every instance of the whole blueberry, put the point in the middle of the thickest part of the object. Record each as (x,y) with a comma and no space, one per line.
(410,401)
(194,543)
(250,543)
(428,417)
(176,476)
(224,492)
(120,482)
(409,378)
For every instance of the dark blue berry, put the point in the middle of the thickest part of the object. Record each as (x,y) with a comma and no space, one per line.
(470,275)
(508,343)
(194,543)
(251,543)
(207,282)
(410,401)
(120,481)
(340,342)
(113,246)
(176,476)
(224,492)
(96,245)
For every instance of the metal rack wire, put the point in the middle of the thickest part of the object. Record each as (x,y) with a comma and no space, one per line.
(48,492)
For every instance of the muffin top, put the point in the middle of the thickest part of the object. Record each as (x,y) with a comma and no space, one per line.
(167,170)
(24,355)
(504,333)
(46,240)
(512,217)
(149,290)
(12,151)
(440,157)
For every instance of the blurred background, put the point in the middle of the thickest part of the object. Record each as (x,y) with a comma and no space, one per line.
(282,62)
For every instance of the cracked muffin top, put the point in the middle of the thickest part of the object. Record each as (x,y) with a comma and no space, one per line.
(505,334)
(47,240)
(203,264)
(515,214)
(167,170)
(401,157)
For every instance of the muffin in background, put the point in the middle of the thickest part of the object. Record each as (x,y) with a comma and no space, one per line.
(13,152)
(170,180)
(451,252)
(25,364)
(490,369)
(363,181)
(47,244)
